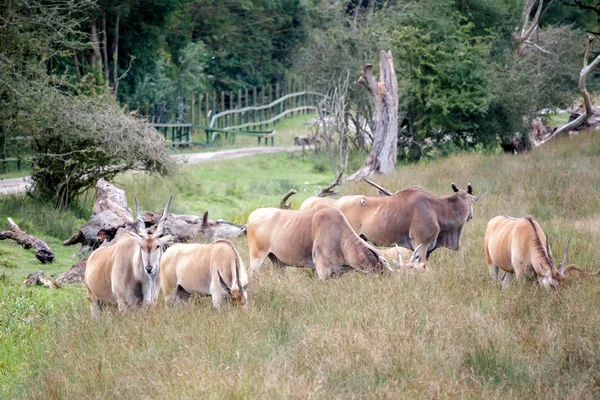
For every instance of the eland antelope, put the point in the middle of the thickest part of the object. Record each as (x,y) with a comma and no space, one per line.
(319,238)
(519,247)
(127,272)
(413,218)
(214,269)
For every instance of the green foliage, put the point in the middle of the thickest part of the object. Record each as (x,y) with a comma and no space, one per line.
(73,133)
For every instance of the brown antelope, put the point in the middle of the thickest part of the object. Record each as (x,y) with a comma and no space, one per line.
(318,238)
(519,247)
(214,269)
(413,218)
(127,272)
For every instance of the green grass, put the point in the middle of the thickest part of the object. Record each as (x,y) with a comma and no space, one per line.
(446,333)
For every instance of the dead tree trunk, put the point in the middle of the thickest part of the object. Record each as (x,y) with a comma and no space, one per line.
(187,228)
(110,213)
(584,93)
(384,93)
(42,251)
(529,27)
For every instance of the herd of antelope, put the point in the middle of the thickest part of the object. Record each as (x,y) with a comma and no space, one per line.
(330,236)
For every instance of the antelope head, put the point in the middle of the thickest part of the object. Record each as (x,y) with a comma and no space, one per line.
(553,277)
(467,196)
(151,246)
(238,295)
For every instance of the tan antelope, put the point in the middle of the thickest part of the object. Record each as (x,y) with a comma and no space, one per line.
(214,269)
(413,218)
(318,238)
(519,247)
(128,272)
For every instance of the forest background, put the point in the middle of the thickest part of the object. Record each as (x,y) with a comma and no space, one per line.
(71,71)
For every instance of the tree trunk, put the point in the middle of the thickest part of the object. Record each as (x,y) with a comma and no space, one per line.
(116,55)
(95,57)
(384,93)
(105,49)
(42,251)
(110,213)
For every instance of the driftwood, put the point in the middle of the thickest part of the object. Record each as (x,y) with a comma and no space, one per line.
(75,274)
(194,228)
(42,251)
(285,198)
(38,278)
(111,215)
(327,190)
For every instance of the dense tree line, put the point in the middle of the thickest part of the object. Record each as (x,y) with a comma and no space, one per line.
(466,78)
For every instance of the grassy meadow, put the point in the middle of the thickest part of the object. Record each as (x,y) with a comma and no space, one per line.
(444,333)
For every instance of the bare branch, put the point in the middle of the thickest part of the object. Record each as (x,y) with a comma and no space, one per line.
(536,46)
(326,191)
(382,190)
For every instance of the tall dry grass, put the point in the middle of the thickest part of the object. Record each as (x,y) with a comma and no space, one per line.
(446,333)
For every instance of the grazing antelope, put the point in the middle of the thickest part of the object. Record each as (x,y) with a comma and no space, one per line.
(413,218)
(127,272)
(519,247)
(318,238)
(214,269)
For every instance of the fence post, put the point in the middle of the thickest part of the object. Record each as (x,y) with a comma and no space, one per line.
(254,104)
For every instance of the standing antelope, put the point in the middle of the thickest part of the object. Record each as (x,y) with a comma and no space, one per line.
(204,269)
(516,246)
(413,218)
(127,272)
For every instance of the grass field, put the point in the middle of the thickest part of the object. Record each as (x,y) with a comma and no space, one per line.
(446,333)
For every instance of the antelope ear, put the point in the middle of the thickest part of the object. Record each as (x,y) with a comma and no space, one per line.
(223,284)
(246,286)
(136,238)
(166,239)
(454,187)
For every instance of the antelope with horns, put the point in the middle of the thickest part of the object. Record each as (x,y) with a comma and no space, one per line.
(214,269)
(128,272)
(519,247)
(413,218)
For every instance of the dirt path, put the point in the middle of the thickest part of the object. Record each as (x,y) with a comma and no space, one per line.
(19,185)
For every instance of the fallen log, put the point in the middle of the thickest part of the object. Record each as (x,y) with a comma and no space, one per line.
(110,213)
(38,278)
(187,228)
(42,251)
(75,274)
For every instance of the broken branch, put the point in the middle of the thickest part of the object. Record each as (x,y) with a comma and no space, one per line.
(382,191)
(42,251)
(326,191)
